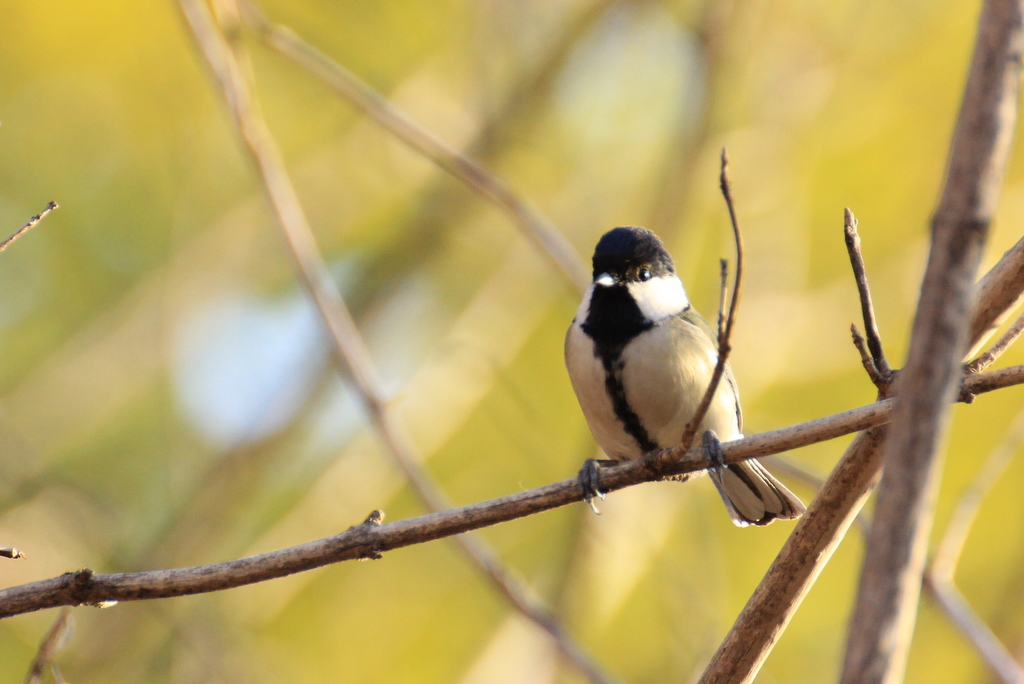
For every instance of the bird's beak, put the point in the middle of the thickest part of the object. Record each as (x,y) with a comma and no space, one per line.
(604,280)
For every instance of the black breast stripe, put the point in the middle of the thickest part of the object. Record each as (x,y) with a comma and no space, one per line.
(612,322)
(617,393)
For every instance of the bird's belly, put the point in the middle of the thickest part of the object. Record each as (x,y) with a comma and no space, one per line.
(587,374)
(665,377)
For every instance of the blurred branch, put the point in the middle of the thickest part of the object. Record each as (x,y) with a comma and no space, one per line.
(890,585)
(32,223)
(11,552)
(54,640)
(535,226)
(724,332)
(997,349)
(348,343)
(939,578)
(369,539)
(817,534)
(959,611)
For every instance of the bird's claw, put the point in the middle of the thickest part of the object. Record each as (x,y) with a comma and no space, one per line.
(589,479)
(713,450)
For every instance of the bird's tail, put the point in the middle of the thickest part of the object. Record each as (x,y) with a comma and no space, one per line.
(753,495)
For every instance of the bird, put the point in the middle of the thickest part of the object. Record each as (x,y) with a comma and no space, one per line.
(640,358)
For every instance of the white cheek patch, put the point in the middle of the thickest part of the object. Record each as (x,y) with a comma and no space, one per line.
(660,298)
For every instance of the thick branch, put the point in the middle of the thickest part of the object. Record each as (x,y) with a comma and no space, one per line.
(371,539)
(890,587)
(817,534)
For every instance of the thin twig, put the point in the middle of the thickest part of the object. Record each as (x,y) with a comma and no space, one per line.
(959,611)
(939,579)
(32,223)
(877,379)
(885,613)
(535,226)
(817,534)
(724,333)
(370,540)
(56,638)
(11,552)
(723,289)
(997,349)
(349,345)
(860,275)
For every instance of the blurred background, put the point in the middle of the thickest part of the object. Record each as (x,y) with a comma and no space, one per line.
(166,393)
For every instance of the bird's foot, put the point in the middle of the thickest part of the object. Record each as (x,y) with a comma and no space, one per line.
(589,479)
(712,448)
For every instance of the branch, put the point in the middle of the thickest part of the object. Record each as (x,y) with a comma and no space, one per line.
(724,332)
(349,346)
(997,349)
(370,539)
(32,223)
(939,579)
(1000,292)
(534,226)
(818,532)
(55,639)
(878,369)
(890,585)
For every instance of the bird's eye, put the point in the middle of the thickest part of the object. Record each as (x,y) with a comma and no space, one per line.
(645,275)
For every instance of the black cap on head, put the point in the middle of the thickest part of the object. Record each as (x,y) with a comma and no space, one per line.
(622,252)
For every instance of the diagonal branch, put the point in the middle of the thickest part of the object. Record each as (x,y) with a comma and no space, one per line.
(996,350)
(817,534)
(890,586)
(32,223)
(534,226)
(939,579)
(370,539)
(349,346)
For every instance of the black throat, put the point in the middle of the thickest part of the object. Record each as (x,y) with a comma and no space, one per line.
(613,320)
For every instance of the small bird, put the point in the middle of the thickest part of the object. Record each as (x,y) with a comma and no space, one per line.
(640,358)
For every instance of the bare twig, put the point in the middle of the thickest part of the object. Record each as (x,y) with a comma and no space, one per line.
(959,611)
(881,365)
(349,346)
(724,332)
(999,293)
(817,534)
(11,552)
(894,560)
(56,638)
(535,226)
(723,290)
(32,223)
(997,349)
(877,379)
(939,579)
(369,540)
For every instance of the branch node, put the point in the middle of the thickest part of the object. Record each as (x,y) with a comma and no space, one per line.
(375,518)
